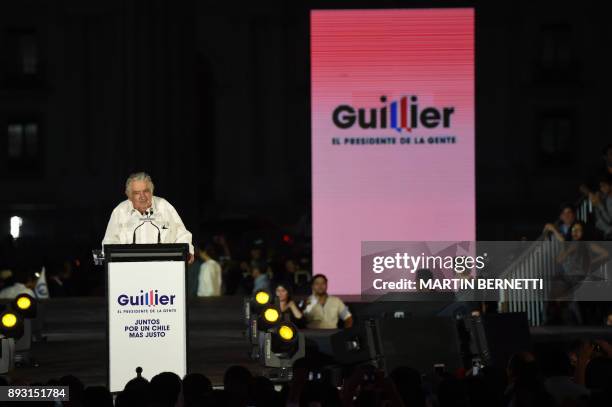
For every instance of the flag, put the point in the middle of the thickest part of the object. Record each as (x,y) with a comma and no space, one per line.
(41,290)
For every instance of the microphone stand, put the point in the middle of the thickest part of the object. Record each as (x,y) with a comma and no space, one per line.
(149,213)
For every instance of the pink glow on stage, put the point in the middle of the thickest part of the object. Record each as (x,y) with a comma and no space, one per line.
(390,191)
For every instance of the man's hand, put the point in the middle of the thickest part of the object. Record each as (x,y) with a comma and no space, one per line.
(595,199)
(191,259)
(549,227)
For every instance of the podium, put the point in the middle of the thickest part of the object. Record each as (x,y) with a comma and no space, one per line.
(146,310)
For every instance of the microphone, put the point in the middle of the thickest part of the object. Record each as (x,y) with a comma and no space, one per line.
(158,232)
(137,227)
(149,212)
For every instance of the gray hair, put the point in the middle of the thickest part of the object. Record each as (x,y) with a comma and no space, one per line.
(138,176)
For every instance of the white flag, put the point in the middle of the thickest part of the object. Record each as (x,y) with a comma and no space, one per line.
(41,290)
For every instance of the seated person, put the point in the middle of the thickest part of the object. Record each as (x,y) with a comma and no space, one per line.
(562,230)
(18,282)
(323,311)
(261,281)
(289,310)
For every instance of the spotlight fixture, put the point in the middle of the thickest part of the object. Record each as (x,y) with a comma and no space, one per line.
(262,298)
(286,332)
(25,305)
(11,325)
(284,339)
(259,314)
(281,345)
(268,317)
(254,304)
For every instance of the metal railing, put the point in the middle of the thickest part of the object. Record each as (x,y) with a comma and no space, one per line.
(538,261)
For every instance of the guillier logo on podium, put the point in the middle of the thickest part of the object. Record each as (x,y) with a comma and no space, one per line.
(150,298)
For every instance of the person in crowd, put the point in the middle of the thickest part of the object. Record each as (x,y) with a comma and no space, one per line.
(562,229)
(197,390)
(409,385)
(305,389)
(61,282)
(602,208)
(165,224)
(18,282)
(264,394)
(289,309)
(136,393)
(237,386)
(76,389)
(209,280)
(563,382)
(324,311)
(165,389)
(257,255)
(525,385)
(579,258)
(97,396)
(607,158)
(261,281)
(577,261)
(225,255)
(598,377)
(368,386)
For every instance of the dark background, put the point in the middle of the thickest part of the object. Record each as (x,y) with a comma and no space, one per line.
(212,98)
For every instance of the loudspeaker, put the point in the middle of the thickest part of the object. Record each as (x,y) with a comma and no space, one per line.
(404,305)
(420,343)
(496,337)
(359,344)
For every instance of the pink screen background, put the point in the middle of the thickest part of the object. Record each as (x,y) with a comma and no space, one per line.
(389,192)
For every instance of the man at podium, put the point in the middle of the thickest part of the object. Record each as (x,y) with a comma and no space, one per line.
(145,218)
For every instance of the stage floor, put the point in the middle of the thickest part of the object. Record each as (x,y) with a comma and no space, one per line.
(75,331)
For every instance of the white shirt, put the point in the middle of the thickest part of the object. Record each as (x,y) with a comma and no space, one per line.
(14,290)
(325,316)
(125,219)
(209,281)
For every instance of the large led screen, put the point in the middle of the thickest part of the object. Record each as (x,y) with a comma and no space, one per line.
(392,132)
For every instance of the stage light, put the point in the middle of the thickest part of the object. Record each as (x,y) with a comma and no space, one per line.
(259,315)
(253,305)
(268,318)
(16,223)
(25,305)
(262,297)
(11,325)
(281,345)
(286,332)
(271,315)
(284,338)
(9,320)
